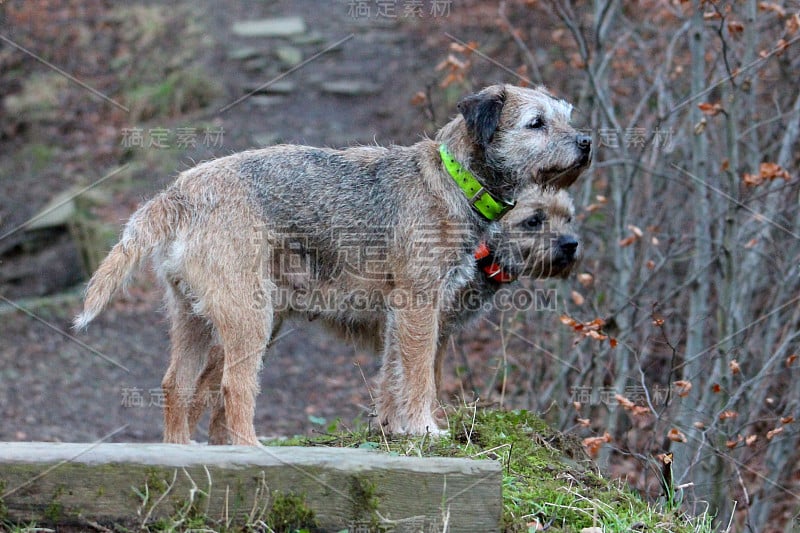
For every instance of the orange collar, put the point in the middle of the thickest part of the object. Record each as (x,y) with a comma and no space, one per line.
(486,263)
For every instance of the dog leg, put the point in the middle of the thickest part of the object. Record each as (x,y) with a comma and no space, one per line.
(244,332)
(410,353)
(190,337)
(208,394)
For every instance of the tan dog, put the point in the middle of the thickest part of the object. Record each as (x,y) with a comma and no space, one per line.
(241,241)
(537,242)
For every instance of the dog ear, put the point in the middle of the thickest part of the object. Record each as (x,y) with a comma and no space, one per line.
(481,113)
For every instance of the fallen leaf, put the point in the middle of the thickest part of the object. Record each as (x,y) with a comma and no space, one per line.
(627,241)
(699,425)
(787,419)
(791,359)
(734,366)
(727,415)
(750,440)
(716,388)
(585,279)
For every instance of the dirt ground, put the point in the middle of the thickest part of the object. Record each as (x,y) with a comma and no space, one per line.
(105,384)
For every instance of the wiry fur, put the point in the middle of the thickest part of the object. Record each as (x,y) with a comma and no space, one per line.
(523,250)
(232,237)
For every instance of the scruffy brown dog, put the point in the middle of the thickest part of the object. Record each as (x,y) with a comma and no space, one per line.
(537,242)
(238,240)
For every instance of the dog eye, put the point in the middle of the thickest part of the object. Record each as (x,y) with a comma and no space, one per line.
(535,221)
(536,124)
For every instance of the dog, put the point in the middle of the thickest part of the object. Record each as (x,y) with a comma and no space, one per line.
(537,242)
(233,239)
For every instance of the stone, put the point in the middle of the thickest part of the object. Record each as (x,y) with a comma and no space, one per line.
(271,27)
(289,55)
(350,87)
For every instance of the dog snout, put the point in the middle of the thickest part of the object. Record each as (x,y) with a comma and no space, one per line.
(568,245)
(584,142)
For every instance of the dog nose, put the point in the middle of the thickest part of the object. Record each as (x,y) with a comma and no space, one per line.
(567,244)
(584,142)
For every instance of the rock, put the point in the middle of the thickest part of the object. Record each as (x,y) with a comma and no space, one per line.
(278,87)
(263,100)
(272,27)
(256,64)
(289,55)
(312,37)
(350,87)
(245,52)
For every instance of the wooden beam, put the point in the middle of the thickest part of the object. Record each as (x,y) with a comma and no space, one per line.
(347,489)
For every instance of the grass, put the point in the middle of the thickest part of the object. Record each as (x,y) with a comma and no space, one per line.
(548,481)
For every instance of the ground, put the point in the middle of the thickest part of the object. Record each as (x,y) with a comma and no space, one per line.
(105,384)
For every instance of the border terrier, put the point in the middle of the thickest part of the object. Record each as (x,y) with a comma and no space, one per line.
(537,241)
(231,239)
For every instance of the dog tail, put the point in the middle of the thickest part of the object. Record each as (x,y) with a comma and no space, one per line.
(152,225)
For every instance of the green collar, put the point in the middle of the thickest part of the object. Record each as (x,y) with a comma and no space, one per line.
(479,198)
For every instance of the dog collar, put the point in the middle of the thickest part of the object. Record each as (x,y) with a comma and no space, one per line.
(492,270)
(479,198)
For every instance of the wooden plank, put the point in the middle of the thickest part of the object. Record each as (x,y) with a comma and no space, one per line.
(130,484)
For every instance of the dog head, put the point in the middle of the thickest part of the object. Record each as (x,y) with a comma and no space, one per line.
(538,239)
(511,136)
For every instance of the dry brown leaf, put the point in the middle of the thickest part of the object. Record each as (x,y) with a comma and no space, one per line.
(727,415)
(773,432)
(733,443)
(734,366)
(593,444)
(627,241)
(650,264)
(577,298)
(624,402)
(791,359)
(683,387)
(676,436)
(750,440)
(773,7)
(710,109)
(735,27)
(585,279)
(787,419)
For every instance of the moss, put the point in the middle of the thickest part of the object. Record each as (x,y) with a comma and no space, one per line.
(55,511)
(547,476)
(365,500)
(3,508)
(289,513)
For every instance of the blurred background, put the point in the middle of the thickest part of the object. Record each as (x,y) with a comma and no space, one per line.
(679,334)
